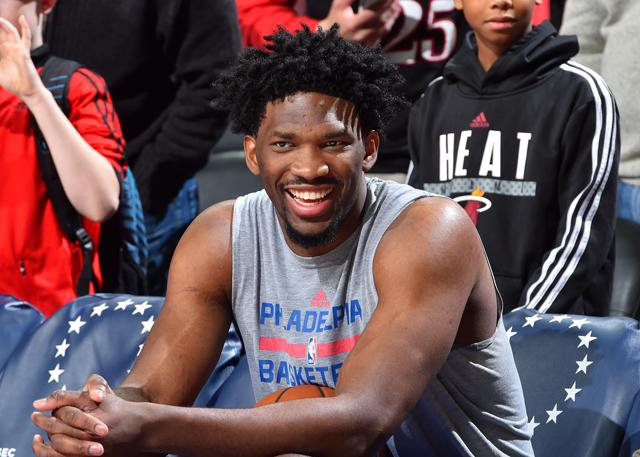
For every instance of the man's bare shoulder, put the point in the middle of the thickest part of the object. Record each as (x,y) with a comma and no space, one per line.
(432,233)
(203,257)
(213,225)
(433,220)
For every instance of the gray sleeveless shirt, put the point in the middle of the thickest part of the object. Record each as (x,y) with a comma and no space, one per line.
(300,316)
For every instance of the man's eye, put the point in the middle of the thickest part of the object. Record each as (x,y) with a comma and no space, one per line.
(333,143)
(280,144)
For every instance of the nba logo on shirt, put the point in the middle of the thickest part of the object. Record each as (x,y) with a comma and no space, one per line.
(312,350)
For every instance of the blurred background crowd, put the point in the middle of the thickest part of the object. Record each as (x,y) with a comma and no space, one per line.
(153,121)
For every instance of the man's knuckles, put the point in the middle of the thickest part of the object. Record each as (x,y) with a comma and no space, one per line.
(67,445)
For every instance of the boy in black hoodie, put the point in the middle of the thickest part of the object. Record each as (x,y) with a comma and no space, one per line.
(527,141)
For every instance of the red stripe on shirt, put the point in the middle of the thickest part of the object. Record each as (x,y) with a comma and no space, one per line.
(299,350)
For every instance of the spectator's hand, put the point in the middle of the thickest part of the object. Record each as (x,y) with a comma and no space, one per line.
(17,72)
(368,25)
(72,429)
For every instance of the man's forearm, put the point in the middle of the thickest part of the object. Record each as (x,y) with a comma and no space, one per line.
(310,427)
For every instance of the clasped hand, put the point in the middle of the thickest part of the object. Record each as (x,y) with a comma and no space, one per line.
(86,422)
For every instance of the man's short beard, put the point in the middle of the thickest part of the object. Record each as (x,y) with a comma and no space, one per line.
(316,239)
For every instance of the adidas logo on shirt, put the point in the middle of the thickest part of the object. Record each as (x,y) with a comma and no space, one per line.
(480,121)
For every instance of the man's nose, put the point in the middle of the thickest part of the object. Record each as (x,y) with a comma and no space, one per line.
(310,164)
(502,4)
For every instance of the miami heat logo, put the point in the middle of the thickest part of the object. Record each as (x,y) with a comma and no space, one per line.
(474,200)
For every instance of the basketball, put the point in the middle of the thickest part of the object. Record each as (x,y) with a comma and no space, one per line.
(306,391)
(297,393)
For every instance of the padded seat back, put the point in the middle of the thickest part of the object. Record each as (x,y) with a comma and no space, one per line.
(581,382)
(101,334)
(17,320)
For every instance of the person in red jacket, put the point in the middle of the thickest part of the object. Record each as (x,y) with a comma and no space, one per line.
(366,26)
(37,262)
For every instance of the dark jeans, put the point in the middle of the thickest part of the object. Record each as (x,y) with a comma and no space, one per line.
(164,233)
(629,202)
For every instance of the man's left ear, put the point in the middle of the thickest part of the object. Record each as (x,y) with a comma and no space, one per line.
(45,6)
(371,145)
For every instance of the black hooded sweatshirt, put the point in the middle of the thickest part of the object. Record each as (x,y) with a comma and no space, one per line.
(530,150)
(159,59)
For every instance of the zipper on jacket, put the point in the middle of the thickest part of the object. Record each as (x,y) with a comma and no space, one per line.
(23,269)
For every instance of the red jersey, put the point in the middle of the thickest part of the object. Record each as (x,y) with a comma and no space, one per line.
(38,263)
(257,19)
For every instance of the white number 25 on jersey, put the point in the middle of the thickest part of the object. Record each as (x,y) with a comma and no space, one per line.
(405,47)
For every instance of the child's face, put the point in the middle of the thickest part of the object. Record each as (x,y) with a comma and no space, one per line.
(498,23)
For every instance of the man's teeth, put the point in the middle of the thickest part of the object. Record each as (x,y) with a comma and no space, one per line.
(309,195)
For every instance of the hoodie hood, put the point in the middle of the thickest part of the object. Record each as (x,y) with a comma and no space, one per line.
(525,63)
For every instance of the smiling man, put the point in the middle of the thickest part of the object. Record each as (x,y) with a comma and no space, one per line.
(319,198)
(374,288)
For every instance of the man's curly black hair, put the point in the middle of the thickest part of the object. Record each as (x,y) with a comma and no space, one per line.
(309,62)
